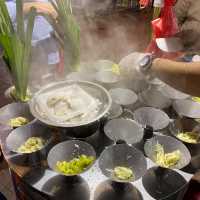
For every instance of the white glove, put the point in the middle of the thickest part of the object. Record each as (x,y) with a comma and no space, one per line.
(129,66)
(196,58)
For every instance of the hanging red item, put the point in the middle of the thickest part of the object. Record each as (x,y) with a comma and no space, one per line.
(163,27)
(144,3)
(166,25)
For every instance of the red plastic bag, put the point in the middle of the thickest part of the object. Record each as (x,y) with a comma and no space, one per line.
(168,19)
(165,26)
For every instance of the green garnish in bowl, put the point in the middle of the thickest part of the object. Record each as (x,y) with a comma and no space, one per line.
(196,99)
(167,160)
(123,173)
(74,166)
(31,145)
(18,121)
(189,137)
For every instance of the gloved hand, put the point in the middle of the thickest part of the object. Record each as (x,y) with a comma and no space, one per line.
(196,58)
(144,69)
(138,75)
(129,66)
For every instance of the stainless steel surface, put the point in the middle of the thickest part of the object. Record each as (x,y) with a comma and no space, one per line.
(91,181)
(93,89)
(94,177)
(50,183)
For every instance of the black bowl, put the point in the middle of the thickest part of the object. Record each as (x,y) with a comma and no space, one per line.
(62,187)
(164,184)
(109,190)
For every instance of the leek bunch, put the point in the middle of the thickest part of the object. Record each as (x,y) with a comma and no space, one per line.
(16,43)
(67,31)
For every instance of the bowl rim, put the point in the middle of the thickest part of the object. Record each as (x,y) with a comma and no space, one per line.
(126,120)
(145,108)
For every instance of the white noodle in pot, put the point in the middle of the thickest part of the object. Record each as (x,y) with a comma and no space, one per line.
(70,104)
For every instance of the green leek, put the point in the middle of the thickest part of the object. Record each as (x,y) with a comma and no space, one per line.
(67,31)
(17,46)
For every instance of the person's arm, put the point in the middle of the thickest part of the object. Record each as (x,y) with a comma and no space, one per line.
(180,75)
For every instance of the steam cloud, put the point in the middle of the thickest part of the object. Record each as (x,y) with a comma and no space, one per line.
(104,35)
